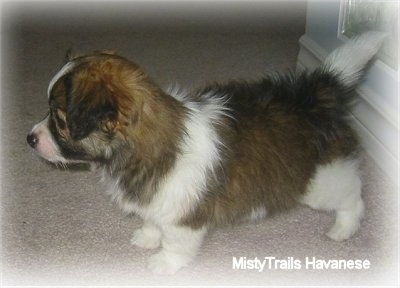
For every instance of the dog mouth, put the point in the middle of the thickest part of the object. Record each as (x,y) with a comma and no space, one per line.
(43,144)
(48,142)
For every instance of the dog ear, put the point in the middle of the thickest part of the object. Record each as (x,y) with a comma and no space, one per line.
(70,55)
(98,110)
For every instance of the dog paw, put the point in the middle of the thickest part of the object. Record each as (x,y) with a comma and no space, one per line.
(167,263)
(346,224)
(146,238)
(340,232)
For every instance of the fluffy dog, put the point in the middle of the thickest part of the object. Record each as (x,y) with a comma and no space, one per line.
(187,162)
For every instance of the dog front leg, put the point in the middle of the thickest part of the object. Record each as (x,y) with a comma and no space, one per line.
(147,237)
(180,245)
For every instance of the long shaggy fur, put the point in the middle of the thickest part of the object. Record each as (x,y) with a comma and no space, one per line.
(188,161)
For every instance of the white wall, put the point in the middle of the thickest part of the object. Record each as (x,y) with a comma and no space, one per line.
(376,114)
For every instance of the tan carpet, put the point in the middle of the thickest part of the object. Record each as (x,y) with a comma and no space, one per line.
(59,227)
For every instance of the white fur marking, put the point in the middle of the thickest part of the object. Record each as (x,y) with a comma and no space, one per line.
(64,70)
(147,237)
(179,246)
(337,186)
(180,190)
(183,187)
(46,147)
(349,60)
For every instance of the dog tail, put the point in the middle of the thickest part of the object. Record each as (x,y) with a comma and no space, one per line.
(349,60)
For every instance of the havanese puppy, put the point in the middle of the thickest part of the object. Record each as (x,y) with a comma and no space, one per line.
(187,162)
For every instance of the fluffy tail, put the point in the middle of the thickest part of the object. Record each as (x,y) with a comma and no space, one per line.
(349,60)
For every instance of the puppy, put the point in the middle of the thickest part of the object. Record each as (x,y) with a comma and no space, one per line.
(187,162)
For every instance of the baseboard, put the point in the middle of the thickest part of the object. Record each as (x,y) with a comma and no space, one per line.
(375,121)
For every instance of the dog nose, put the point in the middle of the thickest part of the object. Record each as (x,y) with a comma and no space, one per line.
(32,140)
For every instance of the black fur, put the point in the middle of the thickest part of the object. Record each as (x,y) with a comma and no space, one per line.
(319,98)
(85,114)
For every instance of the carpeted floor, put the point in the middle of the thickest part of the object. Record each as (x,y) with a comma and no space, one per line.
(59,228)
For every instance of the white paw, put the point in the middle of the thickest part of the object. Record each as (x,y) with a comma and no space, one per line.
(341,232)
(347,222)
(146,238)
(167,263)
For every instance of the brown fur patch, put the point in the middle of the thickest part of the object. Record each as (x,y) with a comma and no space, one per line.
(272,143)
(272,154)
(137,141)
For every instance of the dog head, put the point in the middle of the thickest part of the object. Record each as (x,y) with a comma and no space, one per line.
(99,105)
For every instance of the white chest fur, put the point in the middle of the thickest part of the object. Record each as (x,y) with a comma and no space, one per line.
(184,186)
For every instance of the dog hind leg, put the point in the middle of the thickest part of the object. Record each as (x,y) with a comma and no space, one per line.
(337,187)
